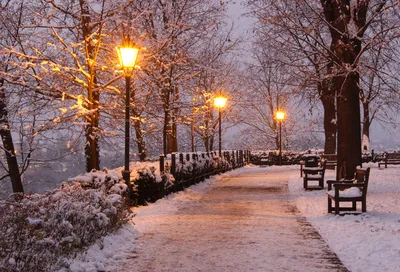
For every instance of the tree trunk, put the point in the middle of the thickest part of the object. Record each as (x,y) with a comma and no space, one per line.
(165,131)
(207,143)
(328,102)
(141,144)
(211,143)
(6,137)
(91,130)
(366,126)
(175,112)
(275,123)
(169,132)
(349,127)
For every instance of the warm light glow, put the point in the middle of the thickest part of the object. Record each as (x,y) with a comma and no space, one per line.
(280,115)
(220,101)
(127,56)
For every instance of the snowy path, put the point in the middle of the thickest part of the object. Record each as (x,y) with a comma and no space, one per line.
(246,222)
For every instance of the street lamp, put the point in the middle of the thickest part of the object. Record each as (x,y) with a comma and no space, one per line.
(279,116)
(220,102)
(127,54)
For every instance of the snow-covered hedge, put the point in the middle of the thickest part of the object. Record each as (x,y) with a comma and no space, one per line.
(190,168)
(39,230)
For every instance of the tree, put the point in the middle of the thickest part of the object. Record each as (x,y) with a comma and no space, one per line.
(267,92)
(337,34)
(295,35)
(11,26)
(172,29)
(73,59)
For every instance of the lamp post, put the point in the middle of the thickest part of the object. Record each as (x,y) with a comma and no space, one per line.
(127,54)
(279,116)
(220,102)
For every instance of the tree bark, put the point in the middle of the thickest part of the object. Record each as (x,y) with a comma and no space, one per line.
(328,102)
(91,130)
(366,125)
(141,144)
(175,112)
(6,137)
(166,129)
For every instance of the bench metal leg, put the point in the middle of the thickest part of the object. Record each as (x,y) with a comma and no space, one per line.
(329,205)
(336,206)
(364,205)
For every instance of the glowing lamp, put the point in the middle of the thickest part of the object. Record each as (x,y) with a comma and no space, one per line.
(280,115)
(127,54)
(220,101)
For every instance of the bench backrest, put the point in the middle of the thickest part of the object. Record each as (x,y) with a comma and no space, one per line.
(330,157)
(362,175)
(392,156)
(311,161)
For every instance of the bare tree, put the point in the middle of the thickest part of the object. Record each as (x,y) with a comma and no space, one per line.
(337,34)
(173,29)
(9,25)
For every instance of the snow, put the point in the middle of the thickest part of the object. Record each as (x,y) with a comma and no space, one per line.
(34,221)
(365,142)
(366,242)
(351,192)
(107,251)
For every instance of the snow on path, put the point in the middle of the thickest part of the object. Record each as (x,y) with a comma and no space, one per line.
(246,221)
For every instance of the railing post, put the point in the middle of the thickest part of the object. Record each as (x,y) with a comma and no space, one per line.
(173,164)
(228,159)
(162,166)
(181,158)
(236,159)
(194,177)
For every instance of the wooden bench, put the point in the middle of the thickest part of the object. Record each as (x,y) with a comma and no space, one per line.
(390,158)
(309,160)
(353,191)
(314,174)
(331,160)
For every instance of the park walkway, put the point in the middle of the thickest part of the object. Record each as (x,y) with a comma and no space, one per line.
(246,222)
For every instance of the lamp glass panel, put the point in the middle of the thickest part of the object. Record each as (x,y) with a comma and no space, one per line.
(128,56)
(220,101)
(280,115)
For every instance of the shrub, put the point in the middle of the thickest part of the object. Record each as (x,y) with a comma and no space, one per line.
(39,229)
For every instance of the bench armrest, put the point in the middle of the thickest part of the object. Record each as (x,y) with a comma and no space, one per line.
(343,181)
(342,185)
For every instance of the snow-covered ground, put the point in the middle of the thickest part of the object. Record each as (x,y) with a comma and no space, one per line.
(367,242)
